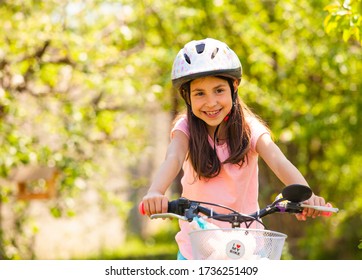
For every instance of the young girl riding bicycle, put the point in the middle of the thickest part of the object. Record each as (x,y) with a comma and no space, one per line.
(218,141)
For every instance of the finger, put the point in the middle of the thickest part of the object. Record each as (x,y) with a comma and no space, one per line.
(149,208)
(300,217)
(146,208)
(164,205)
(158,206)
(319,201)
(152,207)
(314,201)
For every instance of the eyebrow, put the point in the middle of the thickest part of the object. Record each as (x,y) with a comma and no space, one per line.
(216,87)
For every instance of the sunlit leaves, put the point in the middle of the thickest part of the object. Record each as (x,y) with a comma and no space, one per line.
(345,17)
(80,79)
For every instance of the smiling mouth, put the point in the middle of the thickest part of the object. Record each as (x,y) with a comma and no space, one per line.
(212,113)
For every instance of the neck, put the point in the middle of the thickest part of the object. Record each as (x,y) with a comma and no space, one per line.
(217,133)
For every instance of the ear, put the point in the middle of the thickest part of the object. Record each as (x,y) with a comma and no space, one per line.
(236,84)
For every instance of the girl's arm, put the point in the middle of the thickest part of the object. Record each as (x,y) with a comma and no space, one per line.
(155,200)
(286,172)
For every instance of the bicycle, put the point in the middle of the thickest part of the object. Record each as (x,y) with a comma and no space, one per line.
(211,242)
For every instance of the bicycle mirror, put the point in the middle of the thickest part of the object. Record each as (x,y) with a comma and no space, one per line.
(296,193)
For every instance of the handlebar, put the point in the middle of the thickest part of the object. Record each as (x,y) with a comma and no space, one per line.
(187,210)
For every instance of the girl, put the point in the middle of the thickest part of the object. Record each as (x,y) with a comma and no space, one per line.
(218,141)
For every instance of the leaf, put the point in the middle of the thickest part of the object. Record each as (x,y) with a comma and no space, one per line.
(358,34)
(332,7)
(105,121)
(342,12)
(346,34)
(332,25)
(327,20)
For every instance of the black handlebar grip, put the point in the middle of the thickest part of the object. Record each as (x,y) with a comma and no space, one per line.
(172,206)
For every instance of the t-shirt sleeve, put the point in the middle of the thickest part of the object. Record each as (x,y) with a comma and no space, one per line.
(182,125)
(257,129)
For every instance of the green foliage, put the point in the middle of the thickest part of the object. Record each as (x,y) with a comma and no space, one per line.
(344,17)
(80,79)
(66,95)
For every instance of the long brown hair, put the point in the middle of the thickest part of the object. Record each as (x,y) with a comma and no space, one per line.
(202,155)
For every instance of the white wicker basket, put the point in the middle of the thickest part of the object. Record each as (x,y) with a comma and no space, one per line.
(237,244)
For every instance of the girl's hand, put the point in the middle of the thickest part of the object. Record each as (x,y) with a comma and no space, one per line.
(309,212)
(155,203)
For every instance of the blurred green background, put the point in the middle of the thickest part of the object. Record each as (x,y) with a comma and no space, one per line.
(85,89)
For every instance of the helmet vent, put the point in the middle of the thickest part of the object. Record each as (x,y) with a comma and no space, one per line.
(214,53)
(187,58)
(200,48)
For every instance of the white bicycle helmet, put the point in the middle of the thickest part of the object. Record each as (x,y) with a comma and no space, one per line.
(204,58)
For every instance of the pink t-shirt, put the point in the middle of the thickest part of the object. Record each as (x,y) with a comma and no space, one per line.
(234,187)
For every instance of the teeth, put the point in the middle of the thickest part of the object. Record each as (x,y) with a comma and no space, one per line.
(212,113)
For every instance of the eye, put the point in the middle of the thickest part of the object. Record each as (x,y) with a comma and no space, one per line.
(220,90)
(199,93)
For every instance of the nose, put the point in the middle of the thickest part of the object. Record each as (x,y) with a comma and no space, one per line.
(211,101)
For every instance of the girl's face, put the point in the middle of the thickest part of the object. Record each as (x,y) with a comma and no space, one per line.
(211,100)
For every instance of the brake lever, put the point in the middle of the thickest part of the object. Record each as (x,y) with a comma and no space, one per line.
(297,207)
(168,215)
(326,210)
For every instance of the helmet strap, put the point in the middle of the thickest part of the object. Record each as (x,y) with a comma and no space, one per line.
(234,96)
(227,117)
(216,138)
